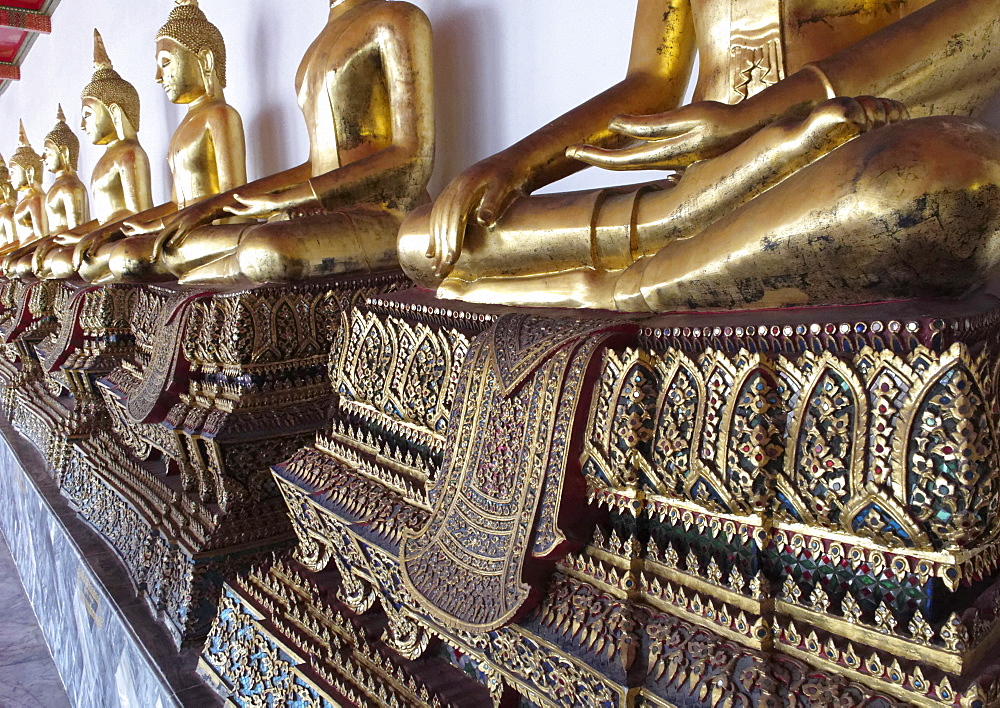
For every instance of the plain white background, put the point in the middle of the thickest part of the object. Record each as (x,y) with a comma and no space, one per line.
(502,69)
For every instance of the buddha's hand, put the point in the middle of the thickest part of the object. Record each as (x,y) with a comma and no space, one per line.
(707,129)
(42,251)
(859,114)
(484,191)
(87,245)
(675,139)
(177,226)
(66,238)
(264,206)
(132,227)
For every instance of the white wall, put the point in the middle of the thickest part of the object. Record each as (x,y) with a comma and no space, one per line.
(503,68)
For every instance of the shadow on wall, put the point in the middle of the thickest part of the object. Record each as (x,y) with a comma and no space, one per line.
(159,165)
(468,90)
(270,155)
(989,112)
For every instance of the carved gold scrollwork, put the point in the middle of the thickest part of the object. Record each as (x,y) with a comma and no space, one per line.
(679,414)
(824,462)
(898,450)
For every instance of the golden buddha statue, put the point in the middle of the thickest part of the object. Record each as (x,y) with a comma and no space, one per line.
(8,199)
(207,152)
(792,185)
(365,90)
(120,184)
(66,203)
(30,221)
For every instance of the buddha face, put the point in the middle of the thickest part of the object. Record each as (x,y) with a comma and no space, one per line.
(179,71)
(52,157)
(18,176)
(97,122)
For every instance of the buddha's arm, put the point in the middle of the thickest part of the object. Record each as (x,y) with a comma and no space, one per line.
(107,232)
(176,227)
(662,55)
(225,129)
(941,59)
(77,208)
(937,59)
(39,219)
(134,173)
(75,234)
(145,221)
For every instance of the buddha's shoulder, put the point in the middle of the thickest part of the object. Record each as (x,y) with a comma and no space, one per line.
(210,115)
(398,12)
(122,154)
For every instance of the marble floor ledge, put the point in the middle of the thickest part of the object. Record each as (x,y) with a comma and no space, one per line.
(142,658)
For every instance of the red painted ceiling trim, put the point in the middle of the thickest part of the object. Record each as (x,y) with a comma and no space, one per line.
(25,20)
(30,5)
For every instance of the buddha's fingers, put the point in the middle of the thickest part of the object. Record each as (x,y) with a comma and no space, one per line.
(247,207)
(446,232)
(239,210)
(449,219)
(662,154)
(652,127)
(493,204)
(895,111)
(81,250)
(162,239)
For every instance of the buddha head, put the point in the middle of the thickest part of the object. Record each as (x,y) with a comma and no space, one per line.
(62,147)
(6,190)
(190,55)
(25,165)
(110,103)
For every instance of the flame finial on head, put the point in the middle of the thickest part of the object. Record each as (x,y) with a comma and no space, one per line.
(63,137)
(25,157)
(101,58)
(108,87)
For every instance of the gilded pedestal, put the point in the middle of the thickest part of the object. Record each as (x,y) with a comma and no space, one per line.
(217,387)
(785,507)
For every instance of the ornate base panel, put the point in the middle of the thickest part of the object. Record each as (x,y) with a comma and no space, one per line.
(507,456)
(177,551)
(201,393)
(53,406)
(281,640)
(239,378)
(591,642)
(800,506)
(833,483)
(28,311)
